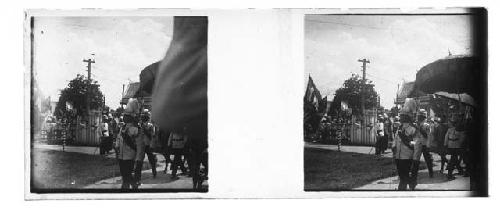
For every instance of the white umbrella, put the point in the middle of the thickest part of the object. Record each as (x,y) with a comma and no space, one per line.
(462,97)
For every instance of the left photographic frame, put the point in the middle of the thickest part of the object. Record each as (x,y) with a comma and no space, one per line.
(98,88)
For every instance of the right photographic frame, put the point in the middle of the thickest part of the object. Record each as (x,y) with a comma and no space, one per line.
(396,101)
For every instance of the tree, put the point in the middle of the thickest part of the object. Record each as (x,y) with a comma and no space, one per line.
(76,94)
(350,93)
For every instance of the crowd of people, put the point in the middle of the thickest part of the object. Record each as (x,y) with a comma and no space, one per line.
(411,134)
(383,129)
(135,137)
(178,123)
(412,140)
(329,131)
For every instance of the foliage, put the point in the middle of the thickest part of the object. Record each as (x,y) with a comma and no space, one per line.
(350,93)
(311,118)
(76,94)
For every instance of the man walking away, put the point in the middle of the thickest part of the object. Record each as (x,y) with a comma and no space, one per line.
(177,141)
(438,133)
(454,140)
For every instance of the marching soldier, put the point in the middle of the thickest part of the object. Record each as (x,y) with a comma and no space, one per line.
(403,149)
(454,142)
(177,141)
(421,148)
(126,148)
(144,148)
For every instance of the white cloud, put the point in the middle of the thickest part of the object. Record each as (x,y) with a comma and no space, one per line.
(123,46)
(396,50)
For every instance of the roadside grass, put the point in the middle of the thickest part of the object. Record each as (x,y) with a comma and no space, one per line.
(332,170)
(52,169)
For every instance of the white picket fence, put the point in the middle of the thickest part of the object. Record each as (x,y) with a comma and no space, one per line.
(88,134)
(364,134)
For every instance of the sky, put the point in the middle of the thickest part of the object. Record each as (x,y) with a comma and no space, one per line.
(396,46)
(122,47)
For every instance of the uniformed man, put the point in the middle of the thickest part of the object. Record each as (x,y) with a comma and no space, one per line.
(403,149)
(126,148)
(423,129)
(144,148)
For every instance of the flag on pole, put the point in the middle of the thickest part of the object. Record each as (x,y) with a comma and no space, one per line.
(312,94)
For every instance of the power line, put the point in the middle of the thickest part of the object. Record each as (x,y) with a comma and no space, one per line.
(345,24)
(386,80)
(350,25)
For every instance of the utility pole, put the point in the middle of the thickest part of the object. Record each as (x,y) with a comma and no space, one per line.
(364,61)
(363,119)
(89,69)
(395,102)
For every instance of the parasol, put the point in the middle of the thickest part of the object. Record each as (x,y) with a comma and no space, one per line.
(147,78)
(462,97)
(453,74)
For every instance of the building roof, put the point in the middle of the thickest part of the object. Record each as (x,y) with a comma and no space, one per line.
(404,91)
(132,88)
(131,92)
